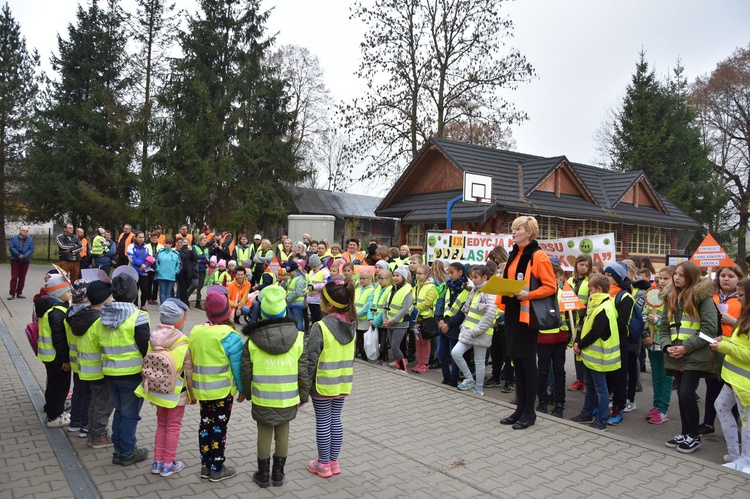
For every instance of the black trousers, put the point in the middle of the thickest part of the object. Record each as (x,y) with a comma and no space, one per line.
(687,384)
(555,354)
(145,291)
(527,381)
(713,388)
(502,368)
(617,381)
(58,386)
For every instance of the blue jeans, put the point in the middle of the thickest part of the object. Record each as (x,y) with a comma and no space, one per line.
(297,314)
(127,413)
(254,312)
(166,290)
(597,394)
(447,364)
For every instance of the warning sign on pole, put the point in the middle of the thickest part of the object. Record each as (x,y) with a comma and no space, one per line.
(711,254)
(569,299)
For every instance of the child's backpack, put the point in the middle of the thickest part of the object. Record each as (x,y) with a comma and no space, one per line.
(636,325)
(32,334)
(159,373)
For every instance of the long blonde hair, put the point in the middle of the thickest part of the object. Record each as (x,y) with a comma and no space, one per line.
(692,276)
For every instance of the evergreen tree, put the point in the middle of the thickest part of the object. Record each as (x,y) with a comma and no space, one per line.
(224,158)
(656,132)
(82,139)
(19,87)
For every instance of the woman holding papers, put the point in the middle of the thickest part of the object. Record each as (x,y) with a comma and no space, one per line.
(525,259)
(688,311)
(736,374)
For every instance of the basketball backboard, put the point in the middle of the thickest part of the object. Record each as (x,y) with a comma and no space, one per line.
(477,188)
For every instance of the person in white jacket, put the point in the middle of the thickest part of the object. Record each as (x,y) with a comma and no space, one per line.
(476,330)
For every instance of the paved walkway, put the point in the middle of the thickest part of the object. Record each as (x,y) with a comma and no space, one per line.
(405,436)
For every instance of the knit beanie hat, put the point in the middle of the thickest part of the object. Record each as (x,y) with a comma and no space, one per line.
(172,311)
(272,302)
(98,292)
(314,261)
(618,271)
(79,291)
(213,259)
(403,271)
(222,263)
(292,267)
(57,285)
(382,264)
(217,307)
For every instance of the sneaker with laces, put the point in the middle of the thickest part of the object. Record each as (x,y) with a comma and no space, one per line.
(580,418)
(675,442)
(84,433)
(705,429)
(659,418)
(689,445)
(616,418)
(598,425)
(224,473)
(508,387)
(477,392)
(102,442)
(335,467)
(576,386)
(630,407)
(171,469)
(651,413)
(73,429)
(205,472)
(59,422)
(320,469)
(466,384)
(136,456)
(490,382)
(156,467)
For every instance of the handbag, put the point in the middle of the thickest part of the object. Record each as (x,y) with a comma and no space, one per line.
(428,328)
(544,313)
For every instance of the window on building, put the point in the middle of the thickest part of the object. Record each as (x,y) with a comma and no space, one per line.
(415,236)
(549,227)
(649,240)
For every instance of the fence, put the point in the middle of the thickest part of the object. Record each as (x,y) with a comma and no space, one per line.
(45,247)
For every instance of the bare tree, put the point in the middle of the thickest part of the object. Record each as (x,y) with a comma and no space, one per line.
(723,100)
(427,64)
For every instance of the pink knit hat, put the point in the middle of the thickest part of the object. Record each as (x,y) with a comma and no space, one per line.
(217,307)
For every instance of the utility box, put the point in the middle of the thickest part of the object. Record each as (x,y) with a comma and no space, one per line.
(318,226)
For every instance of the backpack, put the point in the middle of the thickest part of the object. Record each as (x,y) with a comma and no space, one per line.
(636,325)
(32,334)
(159,373)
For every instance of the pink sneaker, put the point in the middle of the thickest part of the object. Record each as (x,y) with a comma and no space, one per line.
(320,469)
(335,468)
(653,412)
(659,418)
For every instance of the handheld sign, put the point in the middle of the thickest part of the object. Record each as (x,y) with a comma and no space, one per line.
(506,287)
(569,302)
(654,301)
(711,254)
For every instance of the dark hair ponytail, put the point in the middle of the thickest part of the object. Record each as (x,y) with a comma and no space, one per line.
(342,292)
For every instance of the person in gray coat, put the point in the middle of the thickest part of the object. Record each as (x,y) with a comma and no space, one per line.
(274,377)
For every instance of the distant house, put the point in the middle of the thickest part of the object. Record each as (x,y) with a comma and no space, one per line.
(355,214)
(568,199)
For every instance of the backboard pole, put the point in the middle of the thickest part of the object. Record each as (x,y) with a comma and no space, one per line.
(448,216)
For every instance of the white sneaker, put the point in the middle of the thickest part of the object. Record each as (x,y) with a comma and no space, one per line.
(630,407)
(58,422)
(73,429)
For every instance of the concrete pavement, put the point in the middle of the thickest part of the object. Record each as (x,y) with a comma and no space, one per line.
(405,435)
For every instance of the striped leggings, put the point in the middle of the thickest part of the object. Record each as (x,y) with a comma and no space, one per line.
(329,432)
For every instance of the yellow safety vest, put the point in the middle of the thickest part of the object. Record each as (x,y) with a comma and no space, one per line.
(335,371)
(120,354)
(243,254)
(46,350)
(689,327)
(583,290)
(317,277)
(300,300)
(736,372)
(99,246)
(475,314)
(72,347)
(397,302)
(420,293)
(275,376)
(360,298)
(379,301)
(90,355)
(212,373)
(602,355)
(169,400)
(457,303)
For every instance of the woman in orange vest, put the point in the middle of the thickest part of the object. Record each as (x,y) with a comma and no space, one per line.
(525,259)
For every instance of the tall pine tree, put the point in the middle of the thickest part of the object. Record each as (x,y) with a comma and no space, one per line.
(19,87)
(225,158)
(82,140)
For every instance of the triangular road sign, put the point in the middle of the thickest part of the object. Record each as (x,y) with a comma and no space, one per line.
(569,299)
(711,254)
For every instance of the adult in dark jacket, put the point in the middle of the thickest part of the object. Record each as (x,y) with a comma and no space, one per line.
(68,249)
(51,309)
(279,338)
(188,262)
(21,247)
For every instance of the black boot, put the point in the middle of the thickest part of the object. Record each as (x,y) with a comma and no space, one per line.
(277,476)
(558,410)
(262,476)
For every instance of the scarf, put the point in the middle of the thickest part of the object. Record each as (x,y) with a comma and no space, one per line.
(523,262)
(725,298)
(457,286)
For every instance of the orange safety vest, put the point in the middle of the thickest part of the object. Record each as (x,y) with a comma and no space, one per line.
(188,236)
(231,245)
(161,239)
(734,310)
(85,248)
(525,313)
(127,241)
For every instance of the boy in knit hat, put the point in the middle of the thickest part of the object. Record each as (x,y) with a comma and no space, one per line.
(216,351)
(274,378)
(51,309)
(124,332)
(167,339)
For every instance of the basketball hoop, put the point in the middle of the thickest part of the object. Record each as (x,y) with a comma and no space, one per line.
(480,200)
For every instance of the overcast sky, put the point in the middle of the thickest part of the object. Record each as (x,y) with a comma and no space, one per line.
(584,52)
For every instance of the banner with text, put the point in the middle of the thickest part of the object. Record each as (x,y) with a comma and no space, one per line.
(475,247)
